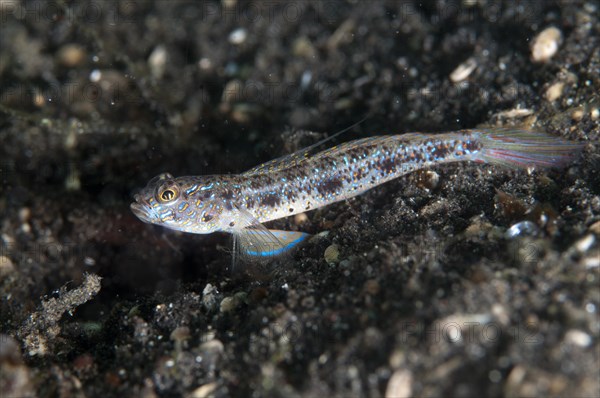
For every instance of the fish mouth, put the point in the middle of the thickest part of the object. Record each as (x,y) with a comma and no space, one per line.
(141,209)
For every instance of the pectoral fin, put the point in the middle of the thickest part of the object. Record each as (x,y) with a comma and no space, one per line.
(252,240)
(267,243)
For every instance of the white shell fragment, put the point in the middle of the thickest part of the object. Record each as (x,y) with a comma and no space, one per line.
(158,61)
(555,91)
(238,36)
(546,43)
(400,384)
(523,228)
(578,338)
(463,70)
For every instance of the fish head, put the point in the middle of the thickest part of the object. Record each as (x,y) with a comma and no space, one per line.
(182,204)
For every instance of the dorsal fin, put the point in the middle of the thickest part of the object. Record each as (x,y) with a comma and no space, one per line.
(297,157)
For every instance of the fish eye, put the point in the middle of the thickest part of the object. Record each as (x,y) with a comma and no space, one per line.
(168,194)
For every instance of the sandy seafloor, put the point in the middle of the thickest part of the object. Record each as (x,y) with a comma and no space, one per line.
(467,280)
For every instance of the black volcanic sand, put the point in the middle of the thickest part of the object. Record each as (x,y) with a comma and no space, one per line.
(465,280)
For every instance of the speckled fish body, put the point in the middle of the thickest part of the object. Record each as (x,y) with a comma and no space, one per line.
(300,182)
(339,173)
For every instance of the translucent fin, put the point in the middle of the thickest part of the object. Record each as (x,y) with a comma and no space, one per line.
(267,243)
(525,148)
(252,240)
(297,157)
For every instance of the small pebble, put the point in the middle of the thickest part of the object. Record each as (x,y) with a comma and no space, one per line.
(478,226)
(305,79)
(300,218)
(495,376)
(6,266)
(302,47)
(595,227)
(25,228)
(15,378)
(555,91)
(73,182)
(24,214)
(232,92)
(591,262)
(427,179)
(71,55)
(584,244)
(95,76)
(38,98)
(332,254)
(10,352)
(578,338)
(158,61)
(345,263)
(463,70)
(238,36)
(205,64)
(397,359)
(400,384)
(515,113)
(147,390)
(512,207)
(181,333)
(212,346)
(523,228)
(204,391)
(210,297)
(577,115)
(229,304)
(89,261)
(501,314)
(546,44)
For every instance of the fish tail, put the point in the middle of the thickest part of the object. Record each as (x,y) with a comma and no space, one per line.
(526,149)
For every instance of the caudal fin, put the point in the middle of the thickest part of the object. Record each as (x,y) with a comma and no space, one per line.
(526,149)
